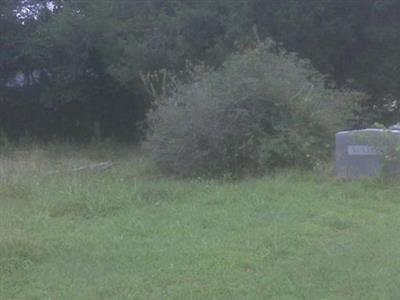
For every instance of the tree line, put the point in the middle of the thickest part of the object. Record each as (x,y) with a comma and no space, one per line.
(70,69)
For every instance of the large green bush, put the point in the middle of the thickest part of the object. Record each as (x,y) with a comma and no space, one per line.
(263,109)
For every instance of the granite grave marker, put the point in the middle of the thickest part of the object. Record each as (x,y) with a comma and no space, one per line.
(364,153)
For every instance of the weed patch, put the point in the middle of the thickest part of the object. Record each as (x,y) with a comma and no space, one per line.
(18,250)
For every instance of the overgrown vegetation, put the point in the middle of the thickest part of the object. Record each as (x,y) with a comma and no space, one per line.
(387,144)
(263,109)
(81,59)
(129,234)
(72,71)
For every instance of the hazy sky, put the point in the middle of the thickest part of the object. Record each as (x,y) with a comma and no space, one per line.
(32,10)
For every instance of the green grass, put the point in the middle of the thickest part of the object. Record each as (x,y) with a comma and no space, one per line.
(131,234)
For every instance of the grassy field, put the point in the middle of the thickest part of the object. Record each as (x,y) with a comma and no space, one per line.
(128,233)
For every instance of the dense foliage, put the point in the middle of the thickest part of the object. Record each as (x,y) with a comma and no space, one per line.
(263,109)
(81,59)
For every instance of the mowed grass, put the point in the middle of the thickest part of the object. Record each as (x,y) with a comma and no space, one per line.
(128,233)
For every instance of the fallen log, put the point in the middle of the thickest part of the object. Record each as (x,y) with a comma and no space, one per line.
(95,167)
(98,167)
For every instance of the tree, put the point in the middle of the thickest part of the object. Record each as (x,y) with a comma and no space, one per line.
(89,54)
(356,43)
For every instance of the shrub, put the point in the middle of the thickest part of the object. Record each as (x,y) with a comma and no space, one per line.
(387,145)
(265,108)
